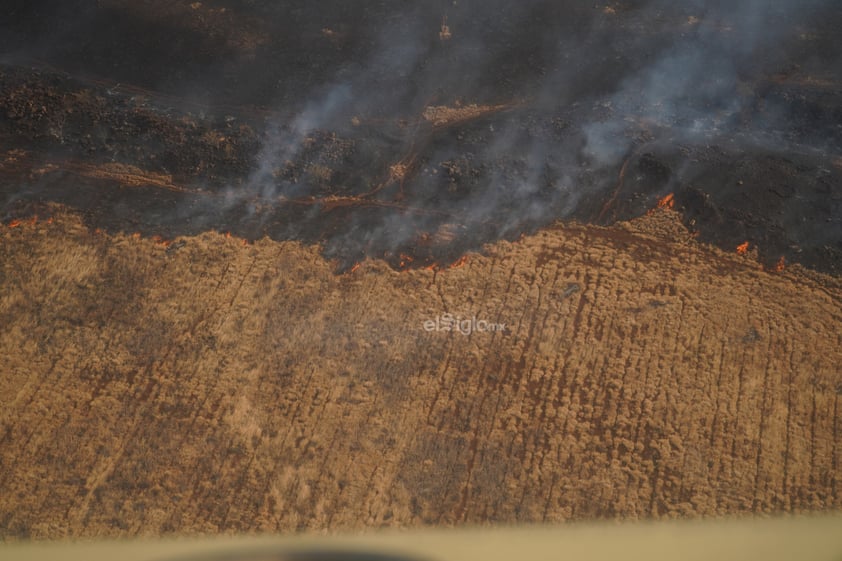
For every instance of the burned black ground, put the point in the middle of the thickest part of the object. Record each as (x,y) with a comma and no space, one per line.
(288,120)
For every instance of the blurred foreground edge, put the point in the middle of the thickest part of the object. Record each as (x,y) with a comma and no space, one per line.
(805,538)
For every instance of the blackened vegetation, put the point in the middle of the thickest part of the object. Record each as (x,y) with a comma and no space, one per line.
(302,121)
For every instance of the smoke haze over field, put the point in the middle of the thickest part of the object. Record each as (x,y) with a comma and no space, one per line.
(627,78)
(605,109)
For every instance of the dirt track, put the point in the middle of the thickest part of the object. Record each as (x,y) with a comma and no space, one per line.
(219,386)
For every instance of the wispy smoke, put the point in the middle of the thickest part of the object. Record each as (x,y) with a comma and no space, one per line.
(589,89)
(284,142)
(658,71)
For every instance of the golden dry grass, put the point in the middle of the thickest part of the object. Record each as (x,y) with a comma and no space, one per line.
(443,115)
(224,387)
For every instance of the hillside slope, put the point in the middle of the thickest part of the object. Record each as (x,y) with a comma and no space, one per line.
(212,385)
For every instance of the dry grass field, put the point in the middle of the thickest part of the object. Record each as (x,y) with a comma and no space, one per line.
(215,386)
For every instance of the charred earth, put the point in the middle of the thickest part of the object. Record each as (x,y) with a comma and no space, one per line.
(366,130)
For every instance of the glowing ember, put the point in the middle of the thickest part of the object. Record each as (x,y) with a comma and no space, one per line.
(15,223)
(742,249)
(780,265)
(136,235)
(355,268)
(406,260)
(444,34)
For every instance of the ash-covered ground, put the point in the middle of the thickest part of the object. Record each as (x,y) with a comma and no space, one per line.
(415,131)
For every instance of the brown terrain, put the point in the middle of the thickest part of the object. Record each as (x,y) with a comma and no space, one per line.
(207,384)
(232,231)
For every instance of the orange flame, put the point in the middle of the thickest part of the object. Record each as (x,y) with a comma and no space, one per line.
(228,235)
(355,268)
(667,202)
(431,267)
(461,262)
(406,260)
(136,235)
(31,221)
(742,249)
(780,265)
